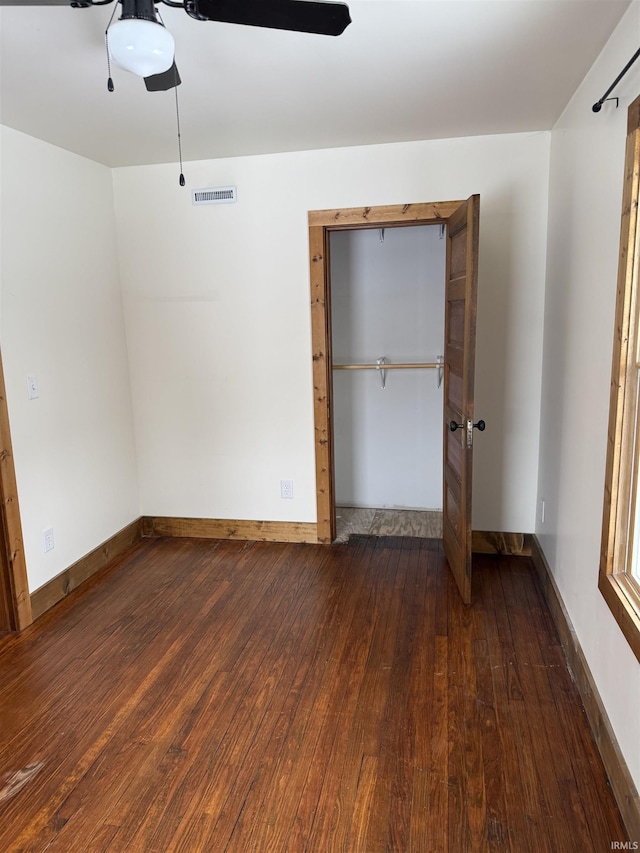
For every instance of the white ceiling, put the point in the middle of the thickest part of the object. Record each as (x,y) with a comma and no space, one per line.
(403,70)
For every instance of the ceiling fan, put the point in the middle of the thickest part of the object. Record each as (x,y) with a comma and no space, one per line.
(139,42)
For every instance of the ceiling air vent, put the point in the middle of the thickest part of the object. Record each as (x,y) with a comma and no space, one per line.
(215,195)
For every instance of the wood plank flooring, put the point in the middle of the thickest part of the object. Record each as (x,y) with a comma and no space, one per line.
(228,696)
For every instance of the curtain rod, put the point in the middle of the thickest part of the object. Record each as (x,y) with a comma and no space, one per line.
(598,104)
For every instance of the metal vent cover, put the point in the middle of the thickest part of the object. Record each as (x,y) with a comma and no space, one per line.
(214,195)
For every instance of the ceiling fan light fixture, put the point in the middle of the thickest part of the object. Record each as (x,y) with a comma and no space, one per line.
(141,46)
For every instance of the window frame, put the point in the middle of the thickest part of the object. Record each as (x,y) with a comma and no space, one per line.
(619,587)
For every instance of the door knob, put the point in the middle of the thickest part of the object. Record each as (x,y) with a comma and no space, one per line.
(481,426)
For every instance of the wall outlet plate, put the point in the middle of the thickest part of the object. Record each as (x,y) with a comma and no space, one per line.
(49,543)
(33,391)
(286,488)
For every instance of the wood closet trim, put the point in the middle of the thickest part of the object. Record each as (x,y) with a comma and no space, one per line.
(321,223)
(13,565)
(390,214)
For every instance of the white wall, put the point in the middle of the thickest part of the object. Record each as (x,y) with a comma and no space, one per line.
(218,319)
(587,165)
(62,320)
(387,299)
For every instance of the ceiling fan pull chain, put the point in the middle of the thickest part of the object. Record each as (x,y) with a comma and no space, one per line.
(175,89)
(106,44)
(182,181)
(109,78)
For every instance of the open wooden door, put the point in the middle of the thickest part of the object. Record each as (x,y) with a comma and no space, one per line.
(459,358)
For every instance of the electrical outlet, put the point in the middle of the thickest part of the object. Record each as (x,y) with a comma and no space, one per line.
(33,392)
(49,544)
(286,488)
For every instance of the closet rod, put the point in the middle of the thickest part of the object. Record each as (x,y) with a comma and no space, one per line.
(386,366)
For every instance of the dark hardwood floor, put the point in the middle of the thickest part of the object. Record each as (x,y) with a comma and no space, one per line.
(227,696)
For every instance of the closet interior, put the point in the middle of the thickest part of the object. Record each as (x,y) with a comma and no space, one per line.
(387,322)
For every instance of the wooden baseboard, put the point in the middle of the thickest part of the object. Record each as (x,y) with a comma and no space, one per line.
(488,542)
(101,557)
(484,542)
(215,528)
(622,784)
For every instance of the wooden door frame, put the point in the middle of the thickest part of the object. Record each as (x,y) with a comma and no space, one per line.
(14,592)
(321,224)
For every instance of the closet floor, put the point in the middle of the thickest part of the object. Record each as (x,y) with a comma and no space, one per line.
(387,522)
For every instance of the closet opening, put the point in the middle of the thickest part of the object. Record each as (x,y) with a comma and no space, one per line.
(387,343)
(461,234)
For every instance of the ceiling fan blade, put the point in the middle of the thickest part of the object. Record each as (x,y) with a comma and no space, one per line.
(303,16)
(164,81)
(34,2)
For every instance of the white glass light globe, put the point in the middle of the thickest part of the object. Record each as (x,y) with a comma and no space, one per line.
(142,47)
